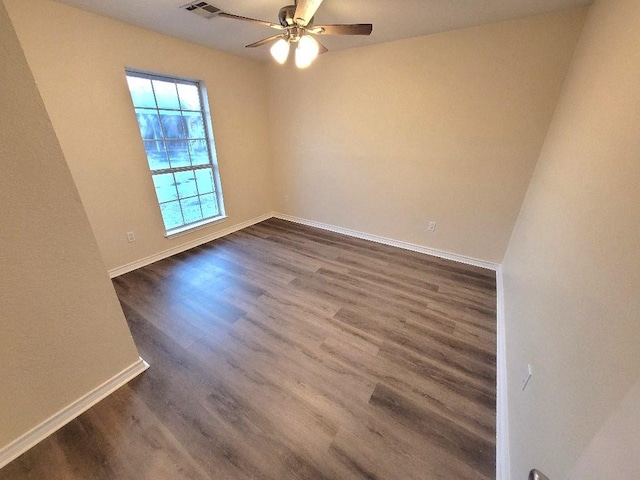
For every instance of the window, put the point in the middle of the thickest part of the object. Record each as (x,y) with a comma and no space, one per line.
(178,140)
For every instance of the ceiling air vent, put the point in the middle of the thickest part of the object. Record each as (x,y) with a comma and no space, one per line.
(202,8)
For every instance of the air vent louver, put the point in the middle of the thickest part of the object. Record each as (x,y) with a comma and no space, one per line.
(203,9)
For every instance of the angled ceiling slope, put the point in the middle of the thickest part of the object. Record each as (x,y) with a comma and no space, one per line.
(392,19)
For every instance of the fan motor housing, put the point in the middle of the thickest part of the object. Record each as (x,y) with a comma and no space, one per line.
(286,16)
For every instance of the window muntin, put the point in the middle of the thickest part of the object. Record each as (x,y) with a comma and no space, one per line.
(176,133)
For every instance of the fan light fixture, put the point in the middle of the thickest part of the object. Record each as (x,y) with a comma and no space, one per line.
(306,51)
(280,51)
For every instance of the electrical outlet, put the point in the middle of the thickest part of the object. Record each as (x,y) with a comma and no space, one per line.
(432,226)
(286,199)
(131,237)
(527,377)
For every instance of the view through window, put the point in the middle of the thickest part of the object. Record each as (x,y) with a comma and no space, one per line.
(177,136)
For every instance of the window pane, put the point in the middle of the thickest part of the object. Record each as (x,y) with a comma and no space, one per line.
(178,154)
(149,124)
(141,92)
(165,187)
(194,125)
(199,152)
(156,155)
(186,183)
(166,94)
(191,209)
(189,96)
(171,215)
(172,124)
(209,204)
(204,179)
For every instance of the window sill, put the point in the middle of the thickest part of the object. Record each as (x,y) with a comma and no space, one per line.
(177,232)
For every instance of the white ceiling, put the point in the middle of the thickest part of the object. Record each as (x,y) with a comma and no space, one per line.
(391,19)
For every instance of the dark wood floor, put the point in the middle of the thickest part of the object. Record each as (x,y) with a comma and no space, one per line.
(287,352)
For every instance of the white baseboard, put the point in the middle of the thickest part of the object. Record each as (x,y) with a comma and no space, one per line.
(64,416)
(394,243)
(503,471)
(345,231)
(129,267)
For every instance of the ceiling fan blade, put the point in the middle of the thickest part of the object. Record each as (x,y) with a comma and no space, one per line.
(253,20)
(353,29)
(321,48)
(305,10)
(264,41)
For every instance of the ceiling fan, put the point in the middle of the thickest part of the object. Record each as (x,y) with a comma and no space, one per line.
(296,27)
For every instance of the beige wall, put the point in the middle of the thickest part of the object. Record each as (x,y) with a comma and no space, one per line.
(447,127)
(63,333)
(571,270)
(614,452)
(78,60)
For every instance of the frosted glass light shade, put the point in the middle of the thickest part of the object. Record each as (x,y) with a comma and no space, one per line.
(280,51)
(306,52)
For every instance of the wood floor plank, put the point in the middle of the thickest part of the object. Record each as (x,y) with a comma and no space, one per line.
(454,399)
(288,352)
(471,449)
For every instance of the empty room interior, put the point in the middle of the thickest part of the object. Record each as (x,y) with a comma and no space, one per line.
(416,256)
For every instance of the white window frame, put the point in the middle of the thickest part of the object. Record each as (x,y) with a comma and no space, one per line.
(212,165)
